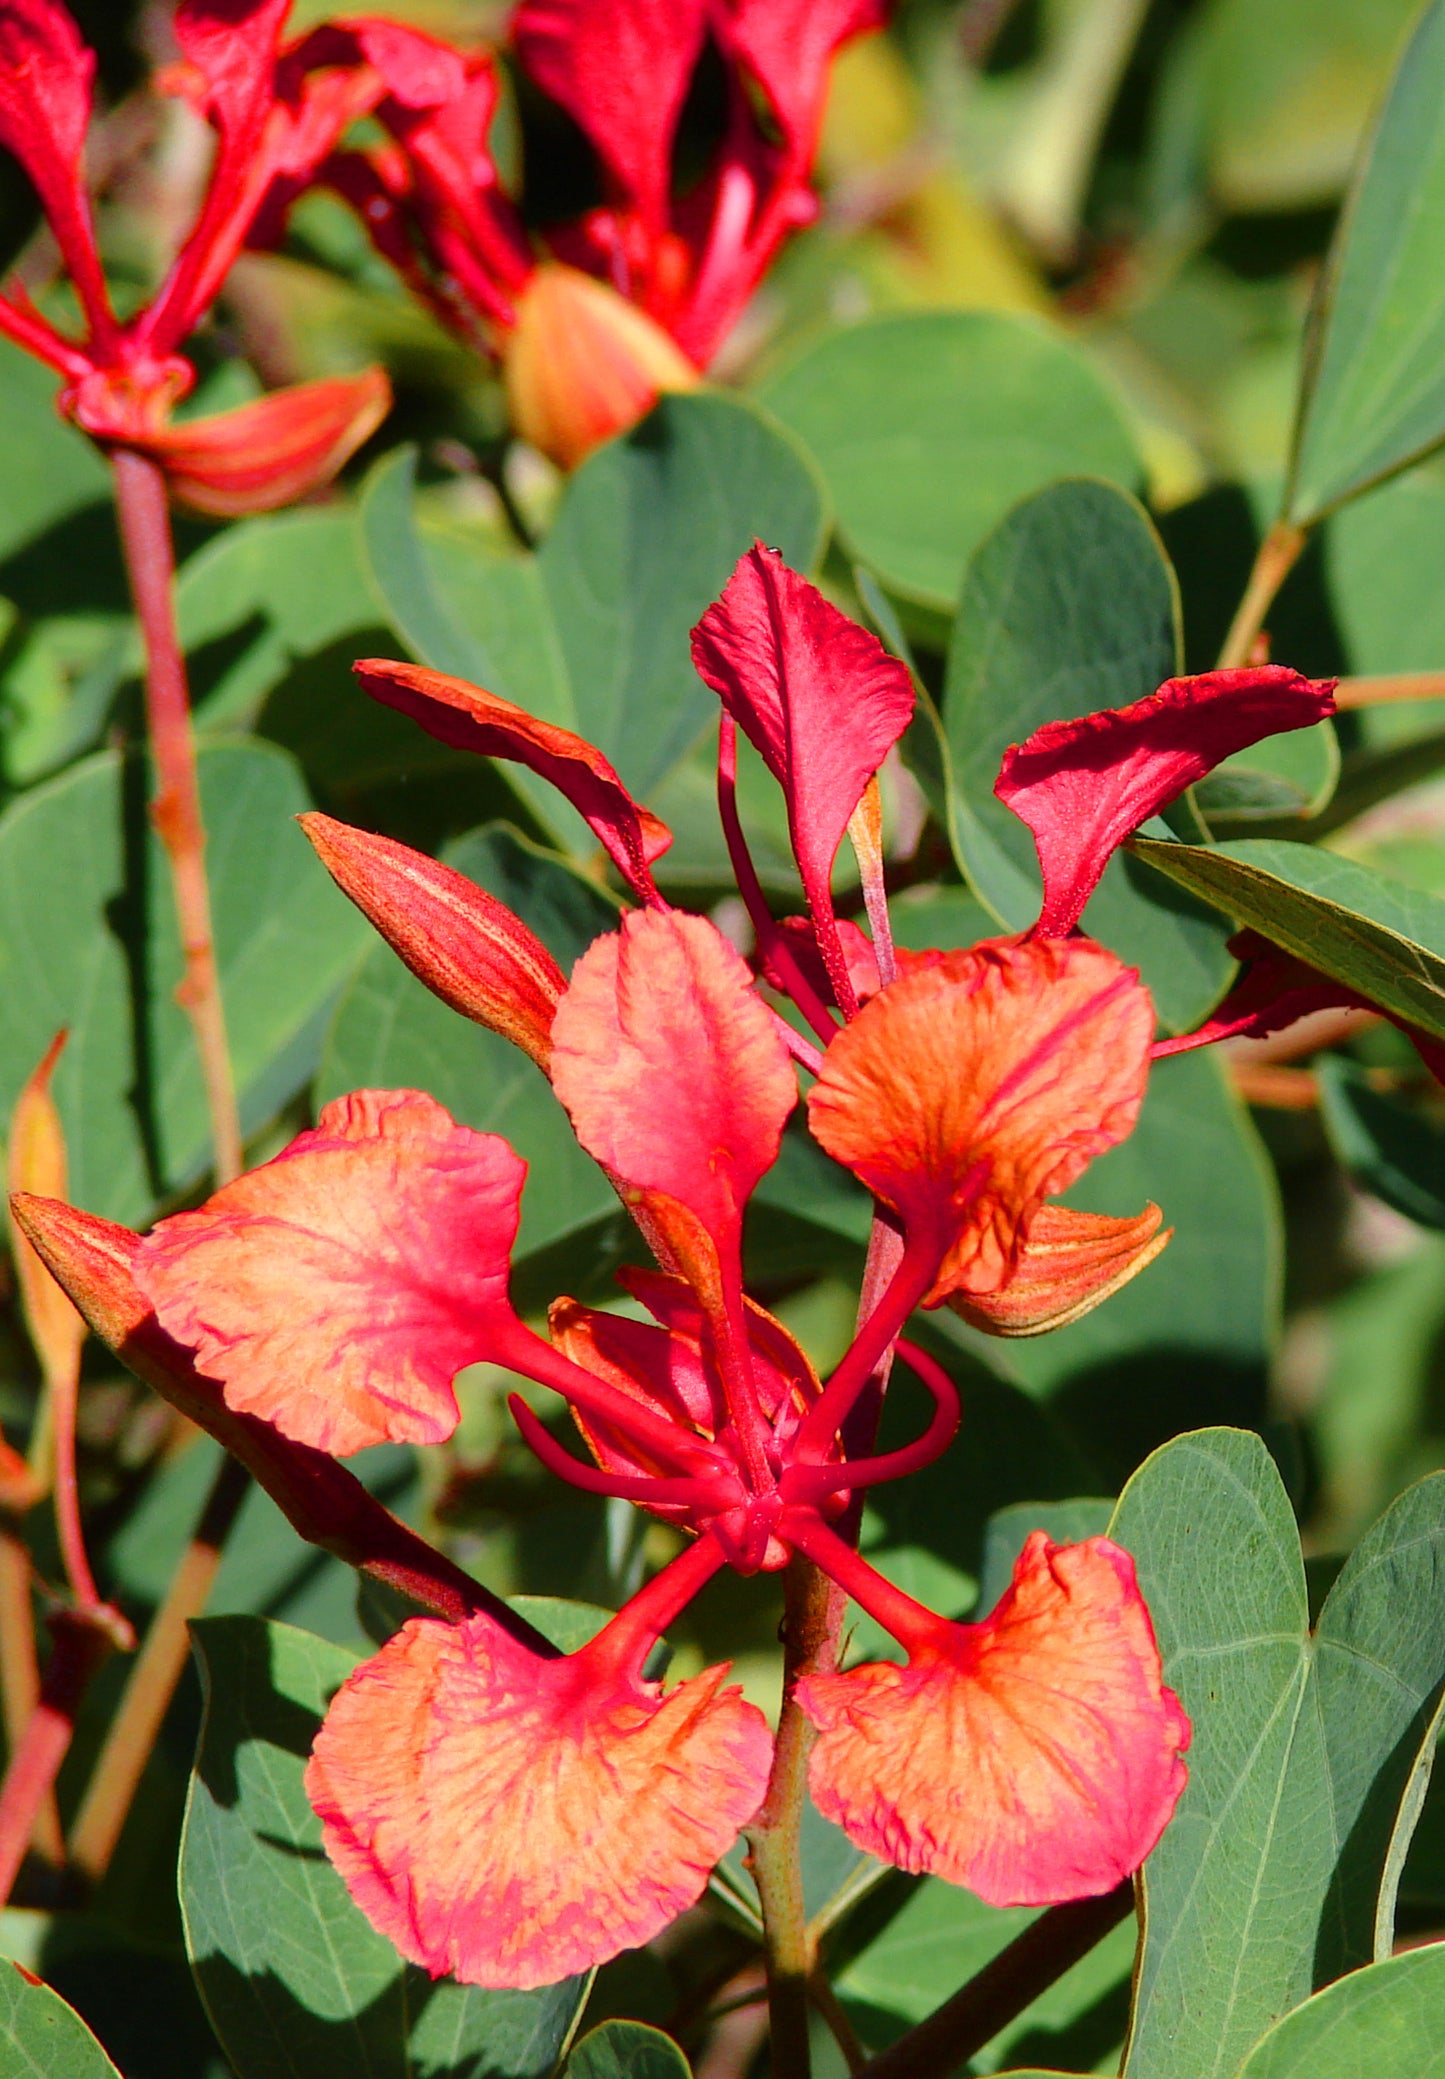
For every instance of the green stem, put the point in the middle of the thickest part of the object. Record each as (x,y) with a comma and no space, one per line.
(810,1632)
(1033,1962)
(1278,554)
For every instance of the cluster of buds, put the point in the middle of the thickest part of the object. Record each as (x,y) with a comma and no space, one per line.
(123,380)
(510,1814)
(636,297)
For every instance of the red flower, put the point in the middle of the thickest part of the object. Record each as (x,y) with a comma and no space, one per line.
(512,1817)
(637,297)
(122,381)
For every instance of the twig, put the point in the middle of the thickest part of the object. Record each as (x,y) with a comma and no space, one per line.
(823,1997)
(1400,685)
(81,1644)
(20,1673)
(1032,1962)
(133,1732)
(1278,554)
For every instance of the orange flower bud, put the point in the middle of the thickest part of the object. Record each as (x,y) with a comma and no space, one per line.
(581,364)
(273,451)
(1071,1262)
(37,1164)
(466,946)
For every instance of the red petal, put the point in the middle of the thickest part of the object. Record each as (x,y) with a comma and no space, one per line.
(1084,786)
(970,1090)
(45,83)
(466,946)
(818,696)
(621,71)
(273,451)
(1070,1264)
(675,1077)
(1033,1758)
(230,48)
(461,714)
(338,1290)
(511,1820)
(788,45)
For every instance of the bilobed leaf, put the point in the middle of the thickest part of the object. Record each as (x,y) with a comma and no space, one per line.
(1276,1873)
(1393,1149)
(42,2038)
(1069,606)
(1374,385)
(88,940)
(1383,2021)
(626,2050)
(389,1032)
(928,428)
(295,1979)
(592,632)
(1380,937)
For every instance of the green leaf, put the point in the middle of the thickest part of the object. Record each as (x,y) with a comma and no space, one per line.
(928,428)
(295,1979)
(1204,1315)
(88,940)
(391,1032)
(42,2038)
(1306,1768)
(626,2050)
(1393,1149)
(1380,937)
(54,472)
(1069,605)
(1374,382)
(1288,86)
(593,631)
(1384,2021)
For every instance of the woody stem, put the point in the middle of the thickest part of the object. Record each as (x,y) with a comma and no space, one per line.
(1278,554)
(145,530)
(810,1636)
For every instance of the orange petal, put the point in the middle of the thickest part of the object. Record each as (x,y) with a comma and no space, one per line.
(36,1165)
(273,451)
(981,1083)
(338,1290)
(466,946)
(675,1077)
(1032,1758)
(512,1820)
(1070,1263)
(582,364)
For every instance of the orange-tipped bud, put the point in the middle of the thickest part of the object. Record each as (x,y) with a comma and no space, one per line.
(1070,1264)
(37,1164)
(582,364)
(466,946)
(274,451)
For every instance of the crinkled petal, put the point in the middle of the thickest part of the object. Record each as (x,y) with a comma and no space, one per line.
(338,1290)
(510,1820)
(1083,786)
(1071,1263)
(819,697)
(1032,1758)
(973,1088)
(675,1078)
(621,71)
(458,713)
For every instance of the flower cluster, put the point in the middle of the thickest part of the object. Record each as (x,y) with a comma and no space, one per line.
(123,380)
(511,1814)
(636,297)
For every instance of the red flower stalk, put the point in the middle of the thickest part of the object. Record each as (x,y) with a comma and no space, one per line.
(637,297)
(124,379)
(510,1815)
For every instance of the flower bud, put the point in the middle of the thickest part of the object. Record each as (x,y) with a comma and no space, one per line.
(581,364)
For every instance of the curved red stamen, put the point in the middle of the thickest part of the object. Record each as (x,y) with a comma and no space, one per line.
(636,1487)
(804,1482)
(916,1271)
